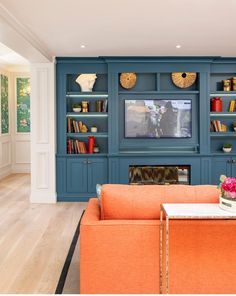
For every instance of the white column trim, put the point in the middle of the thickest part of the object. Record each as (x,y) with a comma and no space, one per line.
(43,170)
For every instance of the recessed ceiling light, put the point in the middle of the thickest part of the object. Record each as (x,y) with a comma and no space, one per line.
(82,46)
(178,46)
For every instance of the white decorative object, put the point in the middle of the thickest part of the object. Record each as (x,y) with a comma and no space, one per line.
(235,128)
(227,150)
(94,129)
(77,109)
(86,81)
(228,204)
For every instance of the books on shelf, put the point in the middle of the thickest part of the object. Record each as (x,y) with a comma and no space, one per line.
(76,147)
(217,126)
(74,126)
(104,106)
(232,106)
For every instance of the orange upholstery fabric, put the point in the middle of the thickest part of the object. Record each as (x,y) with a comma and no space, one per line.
(118,256)
(122,256)
(143,201)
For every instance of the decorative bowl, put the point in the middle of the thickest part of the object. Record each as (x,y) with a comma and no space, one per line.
(227,150)
(227,204)
(78,109)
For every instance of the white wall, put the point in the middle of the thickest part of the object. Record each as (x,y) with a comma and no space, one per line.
(14,148)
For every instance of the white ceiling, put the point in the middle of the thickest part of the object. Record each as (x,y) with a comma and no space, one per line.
(9,57)
(130,27)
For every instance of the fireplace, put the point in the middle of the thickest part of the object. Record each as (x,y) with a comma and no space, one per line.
(159,174)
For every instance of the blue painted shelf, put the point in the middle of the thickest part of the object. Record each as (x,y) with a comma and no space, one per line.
(223,94)
(223,134)
(91,95)
(83,135)
(158,92)
(83,155)
(87,114)
(223,114)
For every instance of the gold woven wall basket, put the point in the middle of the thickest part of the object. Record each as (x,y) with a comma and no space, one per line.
(183,79)
(128,80)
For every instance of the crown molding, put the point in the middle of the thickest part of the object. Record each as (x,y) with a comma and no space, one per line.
(23,32)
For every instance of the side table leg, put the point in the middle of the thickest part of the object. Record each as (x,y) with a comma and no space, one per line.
(167,255)
(161,246)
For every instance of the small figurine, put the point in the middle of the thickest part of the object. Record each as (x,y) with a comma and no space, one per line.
(227,85)
(82,127)
(85,106)
(86,81)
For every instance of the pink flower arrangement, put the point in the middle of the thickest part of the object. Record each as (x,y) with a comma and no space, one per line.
(228,187)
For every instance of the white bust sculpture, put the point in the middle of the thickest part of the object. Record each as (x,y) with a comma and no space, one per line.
(86,81)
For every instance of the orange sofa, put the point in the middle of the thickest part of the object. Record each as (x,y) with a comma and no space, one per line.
(119,243)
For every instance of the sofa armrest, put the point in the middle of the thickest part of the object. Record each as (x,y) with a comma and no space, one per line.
(118,256)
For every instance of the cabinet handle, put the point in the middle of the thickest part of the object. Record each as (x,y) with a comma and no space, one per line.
(89,162)
(233,161)
(229,161)
(85,162)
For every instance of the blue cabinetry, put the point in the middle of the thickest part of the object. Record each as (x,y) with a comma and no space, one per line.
(78,173)
(223,166)
(77,177)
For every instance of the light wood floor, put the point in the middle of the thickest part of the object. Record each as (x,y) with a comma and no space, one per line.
(34,240)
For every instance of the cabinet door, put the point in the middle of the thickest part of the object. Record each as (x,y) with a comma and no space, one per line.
(233,173)
(97,173)
(76,176)
(220,166)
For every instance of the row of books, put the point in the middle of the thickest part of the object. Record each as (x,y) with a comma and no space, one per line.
(101,106)
(76,147)
(217,126)
(74,126)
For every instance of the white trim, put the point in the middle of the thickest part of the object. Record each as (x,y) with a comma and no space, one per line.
(43,169)
(5,171)
(43,197)
(23,31)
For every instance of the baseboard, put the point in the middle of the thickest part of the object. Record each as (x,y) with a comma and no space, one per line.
(5,171)
(20,168)
(43,197)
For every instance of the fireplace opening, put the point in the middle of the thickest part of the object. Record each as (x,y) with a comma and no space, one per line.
(159,174)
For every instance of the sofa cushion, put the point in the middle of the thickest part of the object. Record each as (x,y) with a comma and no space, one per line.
(143,201)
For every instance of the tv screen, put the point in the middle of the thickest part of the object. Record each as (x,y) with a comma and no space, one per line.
(158,118)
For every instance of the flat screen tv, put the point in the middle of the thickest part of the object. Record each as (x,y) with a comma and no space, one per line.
(158,118)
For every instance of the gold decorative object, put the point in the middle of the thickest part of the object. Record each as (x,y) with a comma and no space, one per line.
(227,85)
(85,106)
(183,79)
(128,80)
(82,127)
(234,83)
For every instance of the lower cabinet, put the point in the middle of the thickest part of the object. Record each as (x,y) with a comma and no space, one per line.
(81,177)
(222,166)
(84,174)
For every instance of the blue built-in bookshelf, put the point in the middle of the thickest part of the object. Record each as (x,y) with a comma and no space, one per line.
(78,172)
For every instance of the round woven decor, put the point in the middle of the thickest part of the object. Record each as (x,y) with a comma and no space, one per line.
(183,79)
(128,80)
